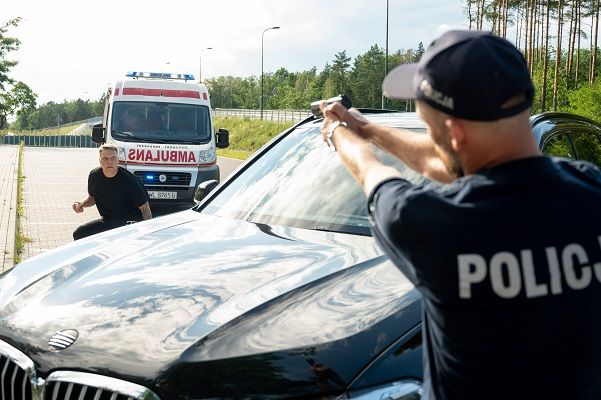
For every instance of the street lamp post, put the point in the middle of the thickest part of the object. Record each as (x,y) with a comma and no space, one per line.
(262,35)
(386,55)
(200,63)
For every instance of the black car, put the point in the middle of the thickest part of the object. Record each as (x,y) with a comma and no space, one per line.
(568,135)
(272,287)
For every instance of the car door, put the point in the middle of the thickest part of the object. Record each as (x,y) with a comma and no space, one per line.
(587,142)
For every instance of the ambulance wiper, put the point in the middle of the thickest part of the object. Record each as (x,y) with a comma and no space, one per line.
(124,133)
(147,140)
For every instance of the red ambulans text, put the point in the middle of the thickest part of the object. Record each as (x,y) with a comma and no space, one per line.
(173,156)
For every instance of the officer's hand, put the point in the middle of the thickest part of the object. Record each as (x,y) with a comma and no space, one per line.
(77,207)
(337,112)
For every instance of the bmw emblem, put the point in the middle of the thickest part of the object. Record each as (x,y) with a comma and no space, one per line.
(61,340)
(162,178)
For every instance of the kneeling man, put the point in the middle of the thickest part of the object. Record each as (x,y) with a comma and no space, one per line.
(118,194)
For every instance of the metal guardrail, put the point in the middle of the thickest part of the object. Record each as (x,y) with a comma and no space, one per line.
(51,140)
(89,121)
(268,115)
(86,140)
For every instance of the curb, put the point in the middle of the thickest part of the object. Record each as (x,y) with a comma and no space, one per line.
(10,201)
(9,259)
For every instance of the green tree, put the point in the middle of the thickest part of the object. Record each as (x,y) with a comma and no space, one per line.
(337,78)
(366,78)
(19,100)
(586,101)
(16,97)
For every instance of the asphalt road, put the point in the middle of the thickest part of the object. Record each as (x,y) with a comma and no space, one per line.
(227,165)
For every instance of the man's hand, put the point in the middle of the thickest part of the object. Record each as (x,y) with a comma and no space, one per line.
(353,147)
(78,207)
(333,112)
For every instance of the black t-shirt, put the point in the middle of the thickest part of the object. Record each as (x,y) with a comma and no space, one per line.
(118,197)
(508,262)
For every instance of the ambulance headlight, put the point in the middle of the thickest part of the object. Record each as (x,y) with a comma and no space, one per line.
(207,156)
(121,153)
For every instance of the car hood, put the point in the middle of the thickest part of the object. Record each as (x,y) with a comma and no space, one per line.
(191,288)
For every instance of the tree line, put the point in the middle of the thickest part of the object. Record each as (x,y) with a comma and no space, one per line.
(359,78)
(559,39)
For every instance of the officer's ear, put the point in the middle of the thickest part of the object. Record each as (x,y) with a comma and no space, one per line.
(457,133)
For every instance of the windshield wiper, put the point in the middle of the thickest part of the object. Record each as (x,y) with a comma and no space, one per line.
(125,133)
(151,140)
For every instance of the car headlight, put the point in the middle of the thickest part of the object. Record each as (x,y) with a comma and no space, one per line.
(121,153)
(207,156)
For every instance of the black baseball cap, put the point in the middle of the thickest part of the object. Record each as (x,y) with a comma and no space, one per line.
(466,74)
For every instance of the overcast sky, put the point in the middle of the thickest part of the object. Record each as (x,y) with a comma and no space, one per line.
(75,49)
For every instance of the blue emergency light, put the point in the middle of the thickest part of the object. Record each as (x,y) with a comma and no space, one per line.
(159,75)
(149,177)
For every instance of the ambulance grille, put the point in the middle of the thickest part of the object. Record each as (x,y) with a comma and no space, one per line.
(171,178)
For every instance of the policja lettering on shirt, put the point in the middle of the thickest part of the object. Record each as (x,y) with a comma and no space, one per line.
(472,269)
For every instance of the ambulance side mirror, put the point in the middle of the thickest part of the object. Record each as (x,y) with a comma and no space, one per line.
(203,189)
(98,134)
(222,138)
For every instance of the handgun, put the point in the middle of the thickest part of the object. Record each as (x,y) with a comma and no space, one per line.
(342,99)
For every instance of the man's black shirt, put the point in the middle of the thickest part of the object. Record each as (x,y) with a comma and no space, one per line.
(508,262)
(118,197)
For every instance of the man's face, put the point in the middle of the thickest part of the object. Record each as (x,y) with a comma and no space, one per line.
(439,133)
(109,162)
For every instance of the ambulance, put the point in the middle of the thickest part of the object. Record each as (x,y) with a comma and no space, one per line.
(161,124)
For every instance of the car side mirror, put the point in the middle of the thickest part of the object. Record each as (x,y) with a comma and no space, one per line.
(222,138)
(203,189)
(98,133)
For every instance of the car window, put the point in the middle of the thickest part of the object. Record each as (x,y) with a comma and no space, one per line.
(300,182)
(588,145)
(559,146)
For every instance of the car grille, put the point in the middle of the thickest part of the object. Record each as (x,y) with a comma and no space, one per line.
(171,178)
(14,381)
(19,381)
(166,187)
(73,391)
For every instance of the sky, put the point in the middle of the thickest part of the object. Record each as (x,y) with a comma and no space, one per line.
(76,49)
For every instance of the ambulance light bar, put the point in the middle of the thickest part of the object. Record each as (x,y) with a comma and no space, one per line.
(160,75)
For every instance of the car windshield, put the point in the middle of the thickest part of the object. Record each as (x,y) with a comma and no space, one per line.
(300,182)
(161,122)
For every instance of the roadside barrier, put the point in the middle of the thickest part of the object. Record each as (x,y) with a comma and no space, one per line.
(268,115)
(51,141)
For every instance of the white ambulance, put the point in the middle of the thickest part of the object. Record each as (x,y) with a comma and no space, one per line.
(162,126)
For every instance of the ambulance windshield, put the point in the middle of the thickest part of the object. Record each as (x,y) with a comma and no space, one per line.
(161,122)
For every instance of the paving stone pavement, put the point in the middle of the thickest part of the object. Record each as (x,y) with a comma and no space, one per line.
(53,179)
(9,158)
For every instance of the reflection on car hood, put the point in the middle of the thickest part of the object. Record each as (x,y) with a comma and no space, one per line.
(197,288)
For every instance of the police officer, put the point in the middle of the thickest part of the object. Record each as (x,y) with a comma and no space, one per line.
(507,257)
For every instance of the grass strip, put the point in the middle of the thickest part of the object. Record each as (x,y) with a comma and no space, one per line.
(20,239)
(247,135)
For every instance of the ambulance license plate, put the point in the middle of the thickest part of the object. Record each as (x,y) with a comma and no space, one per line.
(162,195)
